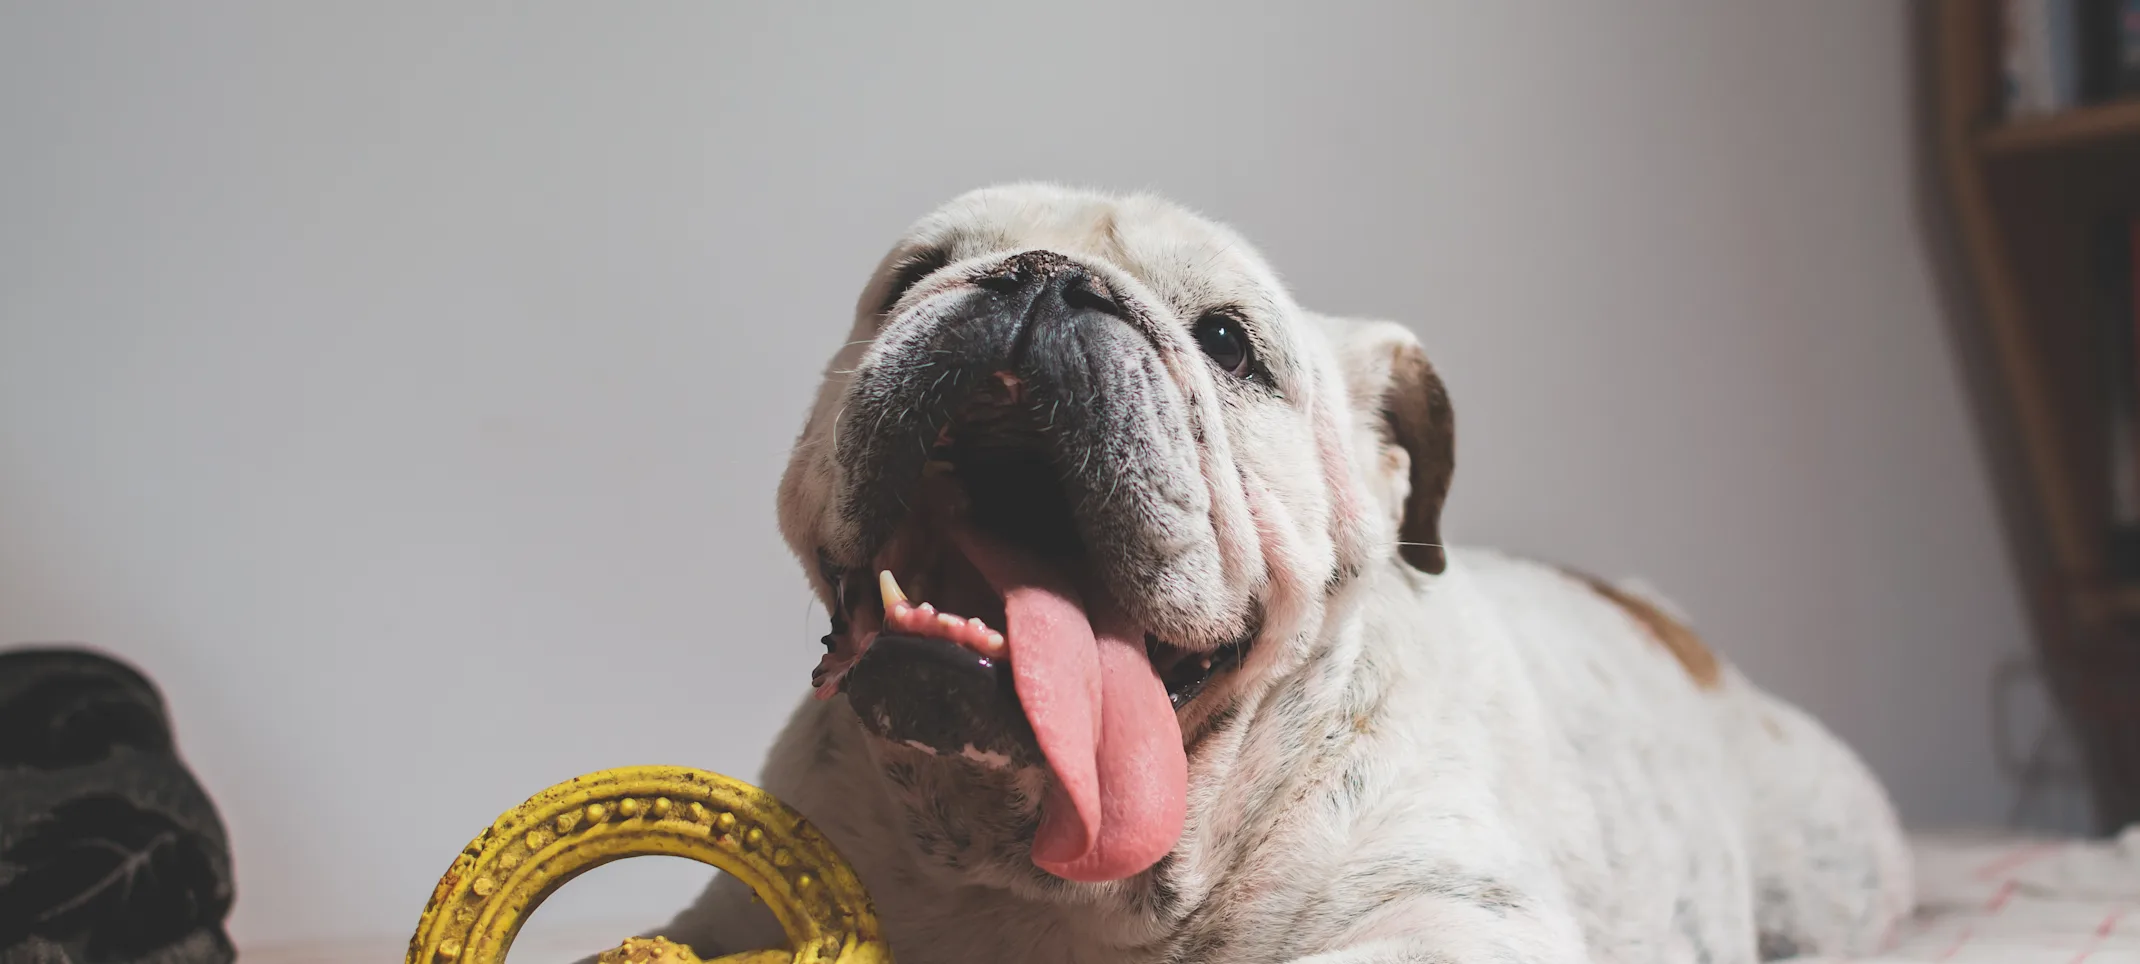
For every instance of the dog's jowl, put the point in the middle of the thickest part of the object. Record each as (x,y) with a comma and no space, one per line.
(1145,647)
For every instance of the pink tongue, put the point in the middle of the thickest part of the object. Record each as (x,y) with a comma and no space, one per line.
(1099,712)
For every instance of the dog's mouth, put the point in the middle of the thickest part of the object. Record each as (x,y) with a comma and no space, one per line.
(925,582)
(988,573)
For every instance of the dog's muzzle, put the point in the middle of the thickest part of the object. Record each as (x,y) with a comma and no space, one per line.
(1024,509)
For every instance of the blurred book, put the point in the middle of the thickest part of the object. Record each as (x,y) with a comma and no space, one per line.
(2041,55)
(2108,33)
(2056,55)
(2126,25)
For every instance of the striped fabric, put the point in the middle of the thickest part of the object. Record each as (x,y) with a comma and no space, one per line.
(2005,900)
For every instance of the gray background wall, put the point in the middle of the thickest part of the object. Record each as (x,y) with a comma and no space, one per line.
(404,387)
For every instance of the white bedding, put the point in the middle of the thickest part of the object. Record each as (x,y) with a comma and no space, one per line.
(1983,900)
(2023,901)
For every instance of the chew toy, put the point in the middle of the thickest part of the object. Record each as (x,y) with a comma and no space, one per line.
(535,848)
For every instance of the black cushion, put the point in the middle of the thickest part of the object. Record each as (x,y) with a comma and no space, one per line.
(110,851)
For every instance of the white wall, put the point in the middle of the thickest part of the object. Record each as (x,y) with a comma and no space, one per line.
(404,388)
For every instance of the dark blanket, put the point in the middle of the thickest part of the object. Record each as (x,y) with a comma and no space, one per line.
(109,850)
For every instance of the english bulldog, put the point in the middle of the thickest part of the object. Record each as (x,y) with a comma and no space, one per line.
(1145,647)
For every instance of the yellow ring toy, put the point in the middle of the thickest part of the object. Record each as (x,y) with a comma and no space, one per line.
(585,822)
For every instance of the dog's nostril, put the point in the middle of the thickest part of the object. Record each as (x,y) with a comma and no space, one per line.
(1080,291)
(1053,279)
(1003,282)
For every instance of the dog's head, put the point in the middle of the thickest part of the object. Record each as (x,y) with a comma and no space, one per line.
(1103,456)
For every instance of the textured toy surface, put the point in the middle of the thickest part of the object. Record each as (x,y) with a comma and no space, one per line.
(585,822)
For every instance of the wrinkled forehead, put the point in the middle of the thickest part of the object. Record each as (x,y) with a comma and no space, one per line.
(1190,263)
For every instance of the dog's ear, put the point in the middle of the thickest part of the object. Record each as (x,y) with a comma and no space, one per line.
(1402,404)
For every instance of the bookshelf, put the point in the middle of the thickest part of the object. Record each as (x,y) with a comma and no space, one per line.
(2100,126)
(2028,198)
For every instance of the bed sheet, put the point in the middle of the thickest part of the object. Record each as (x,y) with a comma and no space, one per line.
(2001,899)
(1983,899)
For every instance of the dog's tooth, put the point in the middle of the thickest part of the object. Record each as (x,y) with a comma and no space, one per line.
(995,645)
(949,621)
(888,587)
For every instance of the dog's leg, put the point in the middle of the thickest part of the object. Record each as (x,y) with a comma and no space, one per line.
(723,920)
(1438,929)
(1446,949)
(1407,950)
(726,919)
(1831,868)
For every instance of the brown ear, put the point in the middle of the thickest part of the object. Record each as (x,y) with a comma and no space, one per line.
(1417,415)
(1400,401)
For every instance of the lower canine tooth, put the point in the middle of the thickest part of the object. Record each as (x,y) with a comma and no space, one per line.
(888,587)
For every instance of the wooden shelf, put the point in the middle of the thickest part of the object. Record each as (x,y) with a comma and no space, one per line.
(2026,198)
(2123,600)
(2029,200)
(2100,126)
(2120,600)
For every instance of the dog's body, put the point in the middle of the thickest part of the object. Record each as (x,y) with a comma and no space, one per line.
(1417,759)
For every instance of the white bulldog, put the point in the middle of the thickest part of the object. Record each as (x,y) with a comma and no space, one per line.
(1145,648)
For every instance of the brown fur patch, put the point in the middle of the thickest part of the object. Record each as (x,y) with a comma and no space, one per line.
(1416,413)
(1674,636)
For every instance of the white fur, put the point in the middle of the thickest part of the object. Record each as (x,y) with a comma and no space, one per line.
(1495,763)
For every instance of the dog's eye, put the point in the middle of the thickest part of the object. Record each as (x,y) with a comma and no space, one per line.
(1222,338)
(910,272)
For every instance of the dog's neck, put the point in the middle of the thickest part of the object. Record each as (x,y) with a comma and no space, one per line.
(1293,701)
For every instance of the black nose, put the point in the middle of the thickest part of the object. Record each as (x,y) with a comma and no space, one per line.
(1047,281)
